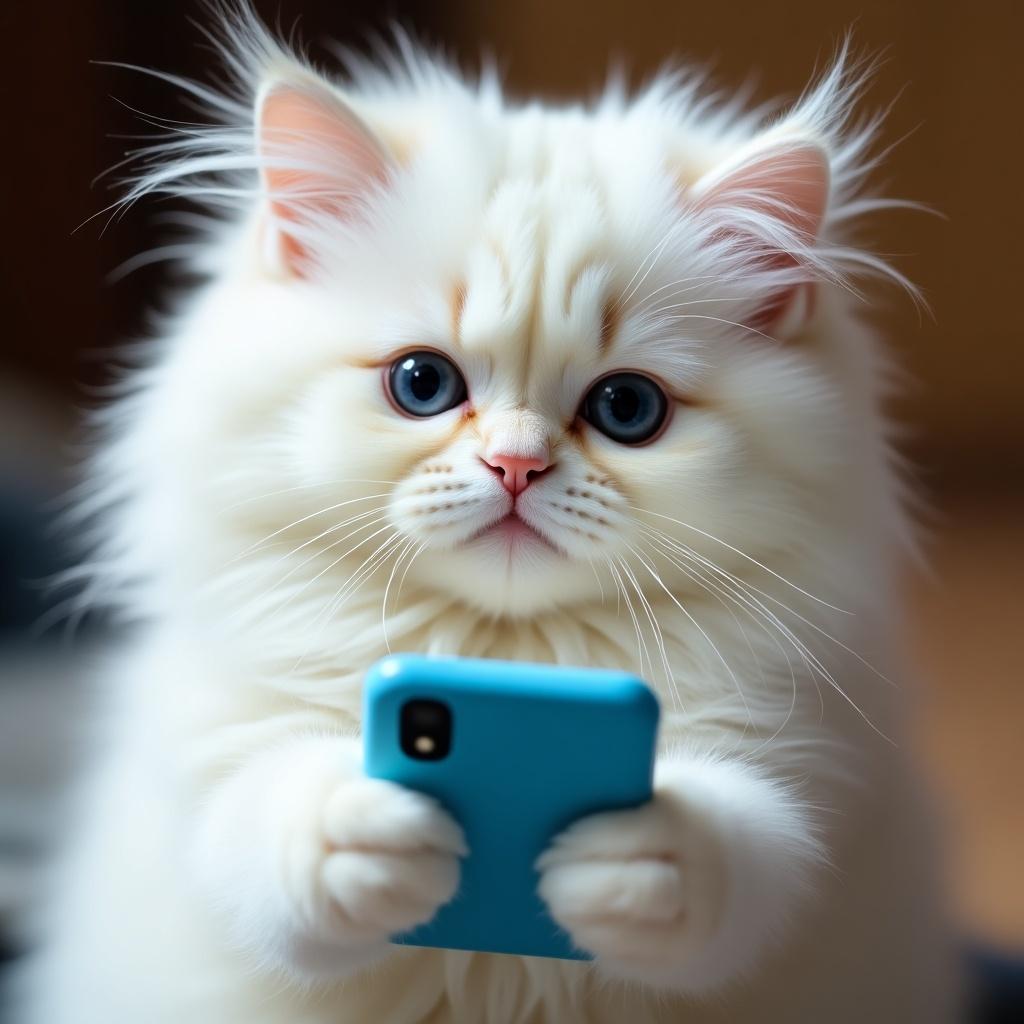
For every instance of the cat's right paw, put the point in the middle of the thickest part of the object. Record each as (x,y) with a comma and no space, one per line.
(392,858)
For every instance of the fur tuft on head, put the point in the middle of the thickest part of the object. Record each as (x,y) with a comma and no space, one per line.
(219,164)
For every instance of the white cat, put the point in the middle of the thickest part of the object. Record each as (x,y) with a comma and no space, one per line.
(587,385)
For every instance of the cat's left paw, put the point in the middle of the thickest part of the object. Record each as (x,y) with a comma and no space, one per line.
(641,890)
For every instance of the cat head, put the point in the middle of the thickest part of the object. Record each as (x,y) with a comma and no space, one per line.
(519,356)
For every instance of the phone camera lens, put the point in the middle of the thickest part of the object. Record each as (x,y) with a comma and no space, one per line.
(426,729)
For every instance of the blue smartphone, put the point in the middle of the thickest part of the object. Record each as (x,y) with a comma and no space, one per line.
(515,753)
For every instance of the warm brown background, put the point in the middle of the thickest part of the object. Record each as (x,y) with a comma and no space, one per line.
(958,73)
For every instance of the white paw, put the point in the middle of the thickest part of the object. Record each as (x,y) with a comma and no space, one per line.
(641,889)
(391,859)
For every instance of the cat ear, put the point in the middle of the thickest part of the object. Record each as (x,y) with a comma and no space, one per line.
(777,192)
(318,160)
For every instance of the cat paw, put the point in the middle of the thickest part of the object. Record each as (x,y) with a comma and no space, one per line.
(392,858)
(640,890)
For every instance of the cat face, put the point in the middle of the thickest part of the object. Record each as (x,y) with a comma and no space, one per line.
(551,469)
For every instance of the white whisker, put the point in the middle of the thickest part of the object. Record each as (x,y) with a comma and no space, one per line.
(641,649)
(651,258)
(300,521)
(600,585)
(406,548)
(305,487)
(749,590)
(812,661)
(739,592)
(355,580)
(670,679)
(716,319)
(701,278)
(720,594)
(694,575)
(325,533)
(405,571)
(305,586)
(742,554)
(379,517)
(718,654)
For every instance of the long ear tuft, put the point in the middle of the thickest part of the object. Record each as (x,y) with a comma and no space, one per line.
(782,211)
(770,196)
(317,160)
(271,130)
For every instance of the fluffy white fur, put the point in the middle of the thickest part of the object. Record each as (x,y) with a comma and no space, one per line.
(275,526)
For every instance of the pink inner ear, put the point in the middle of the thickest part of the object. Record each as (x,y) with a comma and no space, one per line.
(790,183)
(319,158)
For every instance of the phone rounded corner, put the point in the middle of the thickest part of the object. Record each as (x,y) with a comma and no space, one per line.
(642,696)
(389,671)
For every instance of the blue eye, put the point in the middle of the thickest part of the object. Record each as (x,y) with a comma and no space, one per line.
(627,407)
(425,384)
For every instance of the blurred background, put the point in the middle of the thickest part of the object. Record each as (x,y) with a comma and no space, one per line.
(957,73)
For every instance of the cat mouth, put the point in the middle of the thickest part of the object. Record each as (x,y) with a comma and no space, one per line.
(513,531)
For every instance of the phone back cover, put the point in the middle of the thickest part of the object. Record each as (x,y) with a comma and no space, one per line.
(534,747)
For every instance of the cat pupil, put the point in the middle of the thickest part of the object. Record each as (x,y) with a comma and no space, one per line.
(425,382)
(624,404)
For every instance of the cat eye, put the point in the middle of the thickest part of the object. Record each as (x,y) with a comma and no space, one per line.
(425,384)
(627,407)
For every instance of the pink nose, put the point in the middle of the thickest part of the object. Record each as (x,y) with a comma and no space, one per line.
(515,471)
